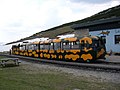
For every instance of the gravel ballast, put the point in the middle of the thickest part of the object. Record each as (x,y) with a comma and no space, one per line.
(102,76)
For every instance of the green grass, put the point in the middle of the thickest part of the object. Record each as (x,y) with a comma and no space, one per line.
(29,77)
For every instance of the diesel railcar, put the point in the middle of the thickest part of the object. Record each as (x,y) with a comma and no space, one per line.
(84,49)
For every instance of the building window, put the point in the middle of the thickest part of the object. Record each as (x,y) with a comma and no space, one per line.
(103,38)
(117,39)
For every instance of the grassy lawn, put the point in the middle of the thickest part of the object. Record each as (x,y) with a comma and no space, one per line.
(28,77)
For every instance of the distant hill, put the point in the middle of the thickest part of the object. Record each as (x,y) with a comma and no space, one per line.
(53,32)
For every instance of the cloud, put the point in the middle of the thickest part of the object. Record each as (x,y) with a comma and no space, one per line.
(115,3)
(91,1)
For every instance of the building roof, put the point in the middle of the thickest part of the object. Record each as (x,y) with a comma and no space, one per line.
(109,23)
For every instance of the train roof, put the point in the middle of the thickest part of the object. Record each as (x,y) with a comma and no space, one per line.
(57,40)
(70,39)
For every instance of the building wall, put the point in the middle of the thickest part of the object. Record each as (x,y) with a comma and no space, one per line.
(110,39)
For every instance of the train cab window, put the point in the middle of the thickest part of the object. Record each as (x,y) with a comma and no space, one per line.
(96,44)
(103,39)
(87,45)
(82,44)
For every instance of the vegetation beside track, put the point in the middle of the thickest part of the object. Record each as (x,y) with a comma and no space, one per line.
(31,77)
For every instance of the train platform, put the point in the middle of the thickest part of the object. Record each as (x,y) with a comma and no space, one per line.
(112,59)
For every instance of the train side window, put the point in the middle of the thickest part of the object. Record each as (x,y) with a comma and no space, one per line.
(66,45)
(75,45)
(31,47)
(51,46)
(22,47)
(41,47)
(57,46)
(36,47)
(46,46)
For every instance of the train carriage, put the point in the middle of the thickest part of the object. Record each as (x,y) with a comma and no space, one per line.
(84,49)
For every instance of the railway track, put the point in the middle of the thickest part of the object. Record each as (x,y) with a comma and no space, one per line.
(100,65)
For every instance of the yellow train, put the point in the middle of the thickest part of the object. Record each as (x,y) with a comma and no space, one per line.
(84,49)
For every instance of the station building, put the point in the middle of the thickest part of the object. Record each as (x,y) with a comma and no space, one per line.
(107,29)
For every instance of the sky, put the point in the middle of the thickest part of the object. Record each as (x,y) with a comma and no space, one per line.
(22,18)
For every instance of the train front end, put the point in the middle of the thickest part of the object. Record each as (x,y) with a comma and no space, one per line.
(92,48)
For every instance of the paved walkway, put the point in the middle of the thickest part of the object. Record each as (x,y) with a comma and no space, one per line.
(113,58)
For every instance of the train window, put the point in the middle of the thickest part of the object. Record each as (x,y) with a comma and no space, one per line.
(36,47)
(66,45)
(22,47)
(57,46)
(31,47)
(46,46)
(82,44)
(87,45)
(96,44)
(41,46)
(51,46)
(75,45)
